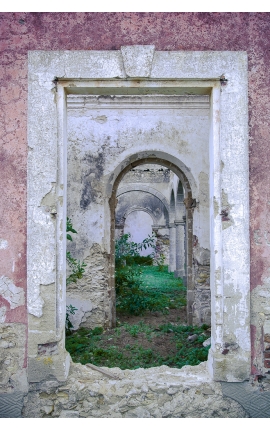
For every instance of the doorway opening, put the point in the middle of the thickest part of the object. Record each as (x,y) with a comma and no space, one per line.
(115,153)
(143,221)
(150,244)
(183,83)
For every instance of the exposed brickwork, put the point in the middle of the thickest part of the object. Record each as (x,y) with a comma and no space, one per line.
(21,32)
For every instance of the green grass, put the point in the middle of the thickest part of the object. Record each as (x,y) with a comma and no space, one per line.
(87,346)
(138,345)
(164,284)
(146,288)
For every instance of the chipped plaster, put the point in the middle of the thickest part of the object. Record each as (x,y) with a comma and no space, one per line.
(46,241)
(14,295)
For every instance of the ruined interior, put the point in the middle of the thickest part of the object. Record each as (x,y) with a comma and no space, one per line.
(45,57)
(106,113)
(102,132)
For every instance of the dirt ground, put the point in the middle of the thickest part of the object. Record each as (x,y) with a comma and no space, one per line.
(161,343)
(155,319)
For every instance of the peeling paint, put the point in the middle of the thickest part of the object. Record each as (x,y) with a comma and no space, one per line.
(226,218)
(3,311)
(216,207)
(49,200)
(35,305)
(14,295)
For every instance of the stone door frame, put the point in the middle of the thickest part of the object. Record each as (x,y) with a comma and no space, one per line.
(54,74)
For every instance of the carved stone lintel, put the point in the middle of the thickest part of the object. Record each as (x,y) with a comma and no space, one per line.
(138,60)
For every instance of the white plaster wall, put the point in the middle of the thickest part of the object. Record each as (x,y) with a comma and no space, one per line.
(109,129)
(139,225)
(185,71)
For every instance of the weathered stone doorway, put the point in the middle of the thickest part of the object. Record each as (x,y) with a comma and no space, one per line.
(138,71)
(107,136)
(142,159)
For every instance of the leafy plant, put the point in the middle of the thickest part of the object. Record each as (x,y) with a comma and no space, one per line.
(77,271)
(130,297)
(70,310)
(77,267)
(125,248)
(70,229)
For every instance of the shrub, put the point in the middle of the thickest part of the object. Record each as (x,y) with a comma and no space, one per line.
(77,271)
(77,268)
(124,248)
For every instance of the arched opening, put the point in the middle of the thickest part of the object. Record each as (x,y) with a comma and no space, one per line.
(138,224)
(105,195)
(139,207)
(179,243)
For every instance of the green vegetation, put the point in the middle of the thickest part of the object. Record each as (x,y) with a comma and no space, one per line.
(140,348)
(165,285)
(146,288)
(141,288)
(77,270)
(76,267)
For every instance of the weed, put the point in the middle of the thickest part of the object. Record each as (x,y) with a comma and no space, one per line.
(77,271)
(87,345)
(76,267)
(70,310)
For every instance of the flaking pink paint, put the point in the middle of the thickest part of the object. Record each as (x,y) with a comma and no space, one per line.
(20,32)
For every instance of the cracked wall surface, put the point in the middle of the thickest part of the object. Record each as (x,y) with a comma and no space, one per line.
(21,32)
(160,392)
(102,131)
(90,295)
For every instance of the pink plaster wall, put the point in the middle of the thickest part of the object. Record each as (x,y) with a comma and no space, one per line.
(21,32)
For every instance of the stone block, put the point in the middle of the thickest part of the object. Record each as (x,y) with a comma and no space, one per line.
(138,60)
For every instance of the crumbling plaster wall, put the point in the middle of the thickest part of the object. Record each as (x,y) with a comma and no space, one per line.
(21,32)
(159,392)
(102,131)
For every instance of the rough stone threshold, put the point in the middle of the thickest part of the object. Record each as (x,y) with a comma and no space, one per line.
(158,392)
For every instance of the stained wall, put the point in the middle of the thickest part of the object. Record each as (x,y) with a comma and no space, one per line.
(21,32)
